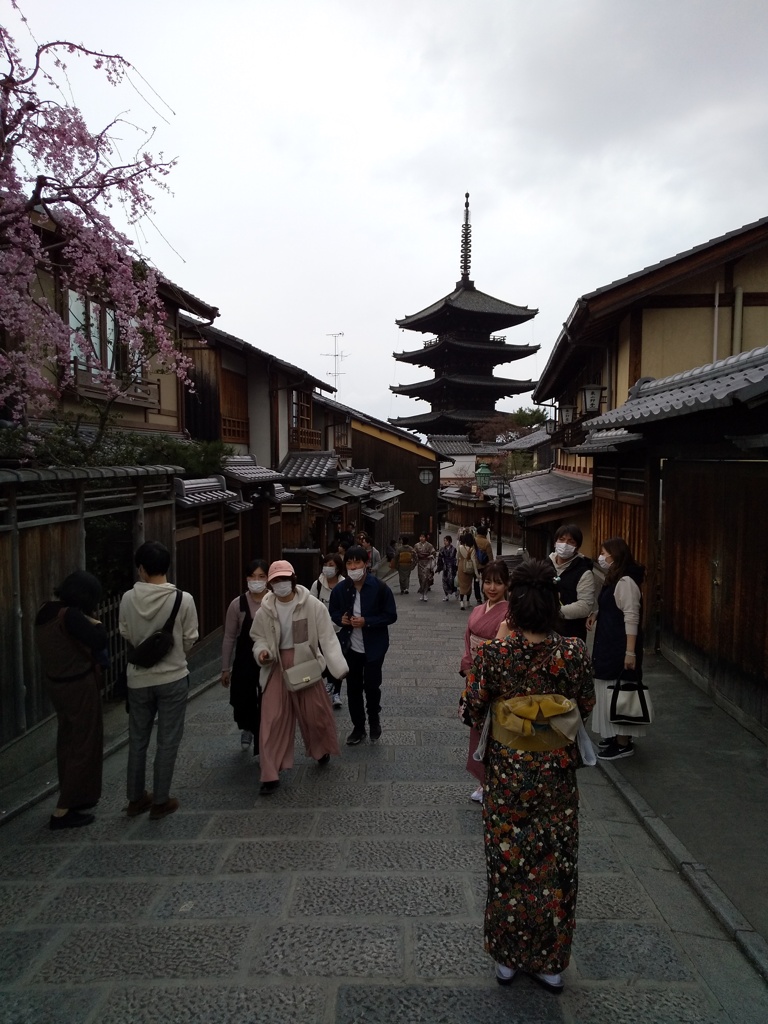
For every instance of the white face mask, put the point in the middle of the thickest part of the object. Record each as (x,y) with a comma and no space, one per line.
(563,550)
(356,574)
(329,571)
(282,588)
(604,563)
(257,586)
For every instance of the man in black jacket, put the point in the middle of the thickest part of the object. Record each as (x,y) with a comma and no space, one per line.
(364,607)
(577,584)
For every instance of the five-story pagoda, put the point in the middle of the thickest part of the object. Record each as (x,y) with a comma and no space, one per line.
(463,354)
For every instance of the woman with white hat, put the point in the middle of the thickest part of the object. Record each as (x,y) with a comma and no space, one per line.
(290,616)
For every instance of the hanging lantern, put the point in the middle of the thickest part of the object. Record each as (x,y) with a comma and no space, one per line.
(592,396)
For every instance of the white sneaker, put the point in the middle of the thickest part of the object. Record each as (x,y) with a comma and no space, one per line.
(336,700)
(445,598)
(504,975)
(246,739)
(477,796)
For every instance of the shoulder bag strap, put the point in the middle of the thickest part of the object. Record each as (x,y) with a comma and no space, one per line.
(168,627)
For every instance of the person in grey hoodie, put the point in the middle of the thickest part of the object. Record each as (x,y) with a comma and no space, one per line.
(161,689)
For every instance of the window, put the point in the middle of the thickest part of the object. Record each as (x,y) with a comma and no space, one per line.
(94,342)
(301,410)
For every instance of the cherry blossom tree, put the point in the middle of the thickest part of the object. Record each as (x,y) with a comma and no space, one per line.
(74,294)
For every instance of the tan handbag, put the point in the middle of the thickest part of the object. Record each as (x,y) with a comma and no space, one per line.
(299,677)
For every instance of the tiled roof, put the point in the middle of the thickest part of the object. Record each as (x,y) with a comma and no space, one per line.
(739,378)
(468,299)
(459,444)
(312,466)
(548,489)
(246,469)
(524,444)
(207,490)
(435,347)
(502,385)
(457,415)
(365,417)
(601,441)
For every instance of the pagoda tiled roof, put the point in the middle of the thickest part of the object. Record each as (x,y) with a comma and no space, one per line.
(437,416)
(465,303)
(500,385)
(434,350)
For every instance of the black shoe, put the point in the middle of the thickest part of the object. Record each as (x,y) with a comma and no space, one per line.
(84,807)
(374,732)
(269,787)
(72,819)
(616,751)
(322,761)
(355,737)
(605,743)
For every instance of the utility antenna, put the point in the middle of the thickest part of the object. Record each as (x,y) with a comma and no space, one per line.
(337,357)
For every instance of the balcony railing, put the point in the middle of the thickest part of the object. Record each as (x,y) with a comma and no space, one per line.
(144,394)
(302,439)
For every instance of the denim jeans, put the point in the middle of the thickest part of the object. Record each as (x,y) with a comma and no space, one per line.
(169,703)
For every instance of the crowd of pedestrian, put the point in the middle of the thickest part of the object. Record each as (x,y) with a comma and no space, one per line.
(529,685)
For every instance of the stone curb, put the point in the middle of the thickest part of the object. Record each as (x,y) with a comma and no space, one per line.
(110,748)
(730,917)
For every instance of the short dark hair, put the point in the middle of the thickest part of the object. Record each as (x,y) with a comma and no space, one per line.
(154,557)
(345,544)
(483,531)
(80,590)
(355,554)
(574,531)
(335,557)
(252,566)
(534,599)
(448,538)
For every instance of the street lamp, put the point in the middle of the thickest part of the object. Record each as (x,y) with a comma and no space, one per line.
(483,478)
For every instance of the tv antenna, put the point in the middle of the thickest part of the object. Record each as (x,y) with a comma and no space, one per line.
(337,357)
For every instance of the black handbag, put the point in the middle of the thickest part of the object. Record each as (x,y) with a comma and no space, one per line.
(630,701)
(158,644)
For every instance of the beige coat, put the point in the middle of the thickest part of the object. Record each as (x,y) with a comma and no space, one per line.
(311,625)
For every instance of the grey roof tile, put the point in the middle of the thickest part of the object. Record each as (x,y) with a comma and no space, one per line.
(713,386)
(524,444)
(548,489)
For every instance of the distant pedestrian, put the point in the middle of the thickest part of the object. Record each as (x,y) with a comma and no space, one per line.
(365,607)
(329,576)
(405,560)
(242,677)
(531,799)
(482,626)
(374,557)
(618,646)
(159,690)
(467,568)
(425,565)
(72,645)
(483,555)
(291,617)
(446,565)
(577,583)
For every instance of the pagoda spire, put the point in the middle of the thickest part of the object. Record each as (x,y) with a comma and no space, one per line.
(466,244)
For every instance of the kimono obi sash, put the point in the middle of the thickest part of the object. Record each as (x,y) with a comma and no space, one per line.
(542,721)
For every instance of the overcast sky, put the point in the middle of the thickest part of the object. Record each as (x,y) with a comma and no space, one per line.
(325,147)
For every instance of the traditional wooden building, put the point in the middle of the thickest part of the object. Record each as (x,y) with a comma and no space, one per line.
(463,354)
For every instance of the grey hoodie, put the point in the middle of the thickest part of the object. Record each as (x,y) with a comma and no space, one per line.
(143,611)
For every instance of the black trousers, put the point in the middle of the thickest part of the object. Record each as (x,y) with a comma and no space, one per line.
(363,689)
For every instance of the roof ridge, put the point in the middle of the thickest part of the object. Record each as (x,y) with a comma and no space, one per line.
(740,361)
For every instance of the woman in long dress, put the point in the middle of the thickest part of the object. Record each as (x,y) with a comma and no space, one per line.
(538,688)
(467,568)
(425,565)
(618,643)
(241,677)
(329,576)
(290,616)
(482,626)
(72,645)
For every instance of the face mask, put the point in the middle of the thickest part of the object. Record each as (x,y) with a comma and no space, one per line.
(257,586)
(282,588)
(356,574)
(563,550)
(603,562)
(329,571)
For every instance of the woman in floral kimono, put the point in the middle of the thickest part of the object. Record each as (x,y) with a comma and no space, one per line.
(538,689)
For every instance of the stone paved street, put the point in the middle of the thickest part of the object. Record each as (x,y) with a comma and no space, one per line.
(354,893)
